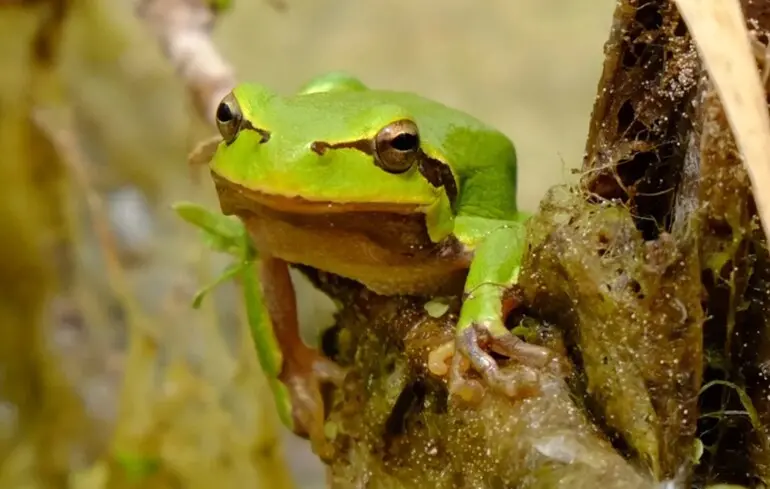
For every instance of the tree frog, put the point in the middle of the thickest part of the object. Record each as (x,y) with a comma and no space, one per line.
(396,191)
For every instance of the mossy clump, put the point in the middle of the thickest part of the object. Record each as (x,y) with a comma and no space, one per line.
(631,311)
(395,425)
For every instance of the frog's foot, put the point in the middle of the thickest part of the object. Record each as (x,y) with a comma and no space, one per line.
(305,389)
(472,347)
(303,371)
(327,371)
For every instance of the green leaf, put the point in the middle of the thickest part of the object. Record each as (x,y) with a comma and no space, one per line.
(258,318)
(221,244)
(221,233)
(211,222)
(722,414)
(229,273)
(436,307)
(697,451)
(742,396)
(220,5)
(526,329)
(137,466)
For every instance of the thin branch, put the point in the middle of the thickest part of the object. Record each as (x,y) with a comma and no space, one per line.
(70,150)
(719,30)
(183,29)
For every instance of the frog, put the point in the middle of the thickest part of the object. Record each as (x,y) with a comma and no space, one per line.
(395,191)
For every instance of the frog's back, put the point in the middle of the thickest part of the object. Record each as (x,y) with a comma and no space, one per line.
(483,158)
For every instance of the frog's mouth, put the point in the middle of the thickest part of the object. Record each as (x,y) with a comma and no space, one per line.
(236,199)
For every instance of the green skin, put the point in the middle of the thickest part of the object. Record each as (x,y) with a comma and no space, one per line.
(331,151)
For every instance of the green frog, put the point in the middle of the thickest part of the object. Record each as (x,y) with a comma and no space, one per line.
(395,191)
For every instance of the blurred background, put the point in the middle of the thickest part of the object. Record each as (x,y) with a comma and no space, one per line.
(107,377)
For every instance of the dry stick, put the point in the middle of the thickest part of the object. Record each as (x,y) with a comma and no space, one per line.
(143,339)
(70,150)
(183,29)
(719,30)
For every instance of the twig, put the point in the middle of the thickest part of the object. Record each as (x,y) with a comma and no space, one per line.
(719,30)
(68,147)
(183,29)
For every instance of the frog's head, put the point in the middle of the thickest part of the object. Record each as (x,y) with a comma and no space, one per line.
(333,152)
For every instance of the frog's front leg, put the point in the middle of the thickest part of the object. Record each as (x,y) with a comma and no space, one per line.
(488,299)
(303,369)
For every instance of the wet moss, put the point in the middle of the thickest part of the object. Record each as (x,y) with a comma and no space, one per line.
(632,315)
(394,425)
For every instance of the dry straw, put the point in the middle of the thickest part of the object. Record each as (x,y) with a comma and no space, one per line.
(719,30)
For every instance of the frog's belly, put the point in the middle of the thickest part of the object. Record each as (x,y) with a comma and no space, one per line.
(388,253)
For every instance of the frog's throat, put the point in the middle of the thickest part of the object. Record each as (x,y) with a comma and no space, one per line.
(242,199)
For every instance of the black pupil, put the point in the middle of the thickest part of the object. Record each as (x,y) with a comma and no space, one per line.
(405,142)
(224,114)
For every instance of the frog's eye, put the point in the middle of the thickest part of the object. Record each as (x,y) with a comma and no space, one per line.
(229,118)
(397,146)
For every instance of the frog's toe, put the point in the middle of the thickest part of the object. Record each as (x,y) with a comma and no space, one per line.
(460,386)
(328,371)
(305,387)
(521,381)
(308,413)
(534,356)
